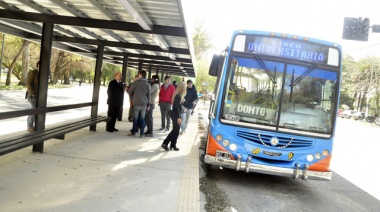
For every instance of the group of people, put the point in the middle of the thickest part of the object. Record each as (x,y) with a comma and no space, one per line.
(176,105)
(176,102)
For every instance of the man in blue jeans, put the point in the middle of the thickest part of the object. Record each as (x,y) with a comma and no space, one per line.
(191,100)
(139,92)
(31,94)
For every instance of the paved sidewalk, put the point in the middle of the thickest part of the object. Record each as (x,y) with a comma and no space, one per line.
(101,171)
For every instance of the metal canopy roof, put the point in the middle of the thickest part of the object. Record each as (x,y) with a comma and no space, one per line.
(151,32)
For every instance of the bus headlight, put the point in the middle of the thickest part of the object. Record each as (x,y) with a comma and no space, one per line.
(219,137)
(226,143)
(325,152)
(310,158)
(233,147)
(318,156)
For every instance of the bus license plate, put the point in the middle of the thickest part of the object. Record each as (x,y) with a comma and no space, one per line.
(223,155)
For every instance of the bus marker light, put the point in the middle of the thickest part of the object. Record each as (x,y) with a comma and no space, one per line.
(233,147)
(226,143)
(294,37)
(325,152)
(219,137)
(310,158)
(318,156)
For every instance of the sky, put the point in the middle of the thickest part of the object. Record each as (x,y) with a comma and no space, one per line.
(321,19)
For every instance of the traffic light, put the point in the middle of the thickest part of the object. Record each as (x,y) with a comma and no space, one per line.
(356,29)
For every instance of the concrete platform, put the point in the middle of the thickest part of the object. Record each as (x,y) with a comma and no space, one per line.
(102,171)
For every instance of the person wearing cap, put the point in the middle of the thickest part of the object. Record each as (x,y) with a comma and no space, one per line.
(191,100)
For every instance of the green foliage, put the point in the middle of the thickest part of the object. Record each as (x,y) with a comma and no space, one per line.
(178,79)
(361,80)
(347,100)
(202,45)
(108,72)
(201,41)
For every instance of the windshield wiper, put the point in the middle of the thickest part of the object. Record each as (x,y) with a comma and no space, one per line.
(303,75)
(263,66)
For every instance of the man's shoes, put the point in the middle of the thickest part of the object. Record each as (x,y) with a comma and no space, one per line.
(148,134)
(114,129)
(109,130)
(30,129)
(167,129)
(142,136)
(161,129)
(131,134)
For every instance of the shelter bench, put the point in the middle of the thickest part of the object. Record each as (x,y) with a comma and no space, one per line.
(57,131)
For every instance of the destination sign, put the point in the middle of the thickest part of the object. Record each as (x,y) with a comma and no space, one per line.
(286,48)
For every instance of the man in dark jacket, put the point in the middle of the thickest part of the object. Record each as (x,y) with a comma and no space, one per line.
(191,100)
(115,93)
(139,92)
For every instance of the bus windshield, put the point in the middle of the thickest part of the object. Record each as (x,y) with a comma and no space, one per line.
(279,95)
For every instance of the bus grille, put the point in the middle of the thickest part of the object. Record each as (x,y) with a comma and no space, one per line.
(284,142)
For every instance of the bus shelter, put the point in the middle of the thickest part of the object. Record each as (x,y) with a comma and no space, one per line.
(149,35)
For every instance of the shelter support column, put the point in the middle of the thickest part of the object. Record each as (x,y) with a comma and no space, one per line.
(43,75)
(150,72)
(162,76)
(95,93)
(124,78)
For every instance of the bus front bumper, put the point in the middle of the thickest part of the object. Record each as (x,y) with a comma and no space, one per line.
(247,166)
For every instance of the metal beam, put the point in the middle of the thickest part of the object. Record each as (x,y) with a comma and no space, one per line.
(124,76)
(144,56)
(115,44)
(92,23)
(95,94)
(43,77)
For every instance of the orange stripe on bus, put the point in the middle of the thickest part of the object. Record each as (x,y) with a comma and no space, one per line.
(322,166)
(213,145)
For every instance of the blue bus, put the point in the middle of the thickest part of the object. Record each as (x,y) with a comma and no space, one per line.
(275,106)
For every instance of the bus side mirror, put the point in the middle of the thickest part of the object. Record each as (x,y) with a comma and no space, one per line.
(216,65)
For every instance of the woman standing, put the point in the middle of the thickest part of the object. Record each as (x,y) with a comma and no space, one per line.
(175,115)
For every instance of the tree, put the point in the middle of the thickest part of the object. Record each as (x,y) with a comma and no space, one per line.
(62,67)
(108,72)
(25,62)
(24,45)
(360,83)
(201,41)
(202,45)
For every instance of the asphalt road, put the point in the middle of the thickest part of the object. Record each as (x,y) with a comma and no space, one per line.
(354,185)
